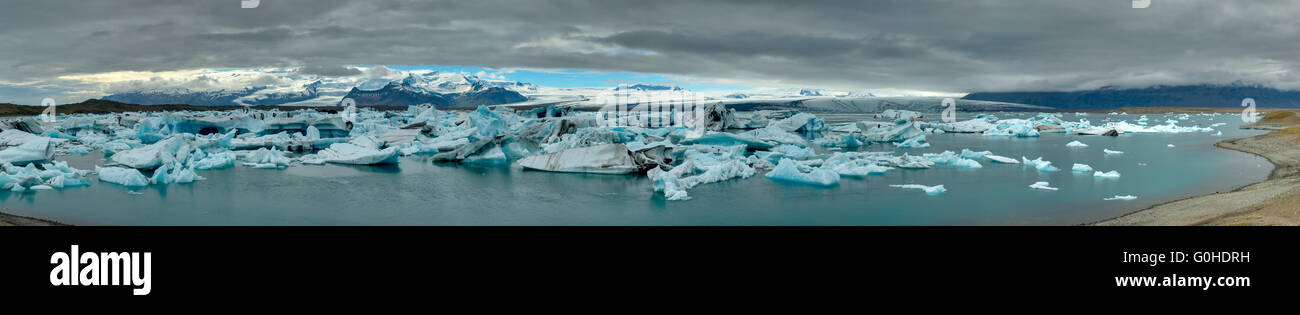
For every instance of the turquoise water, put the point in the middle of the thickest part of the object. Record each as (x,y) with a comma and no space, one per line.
(418,192)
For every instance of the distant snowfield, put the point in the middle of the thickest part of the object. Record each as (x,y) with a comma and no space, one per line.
(285,88)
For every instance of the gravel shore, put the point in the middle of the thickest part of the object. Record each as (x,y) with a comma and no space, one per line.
(1275,201)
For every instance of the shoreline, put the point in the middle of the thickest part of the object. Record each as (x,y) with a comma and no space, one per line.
(7,219)
(1241,206)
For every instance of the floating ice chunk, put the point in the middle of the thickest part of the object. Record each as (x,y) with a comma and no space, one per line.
(612,158)
(1040,164)
(1111,152)
(350,153)
(68,180)
(801,122)
(152,156)
(121,176)
(898,132)
(1220,133)
(33,151)
(1082,168)
(1076,144)
(41,187)
(216,160)
(950,158)
(913,143)
(929,190)
(849,140)
(771,134)
(1110,174)
(854,164)
(1013,127)
(894,114)
(976,125)
(791,171)
(264,159)
(728,139)
(489,124)
(1042,186)
(1118,197)
(912,162)
(674,183)
(1001,159)
(967,153)
(794,152)
(1170,145)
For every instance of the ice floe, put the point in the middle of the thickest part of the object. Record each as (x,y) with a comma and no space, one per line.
(1076,144)
(1110,174)
(929,190)
(1123,197)
(1042,186)
(790,171)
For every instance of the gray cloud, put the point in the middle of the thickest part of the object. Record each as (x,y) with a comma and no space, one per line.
(952,46)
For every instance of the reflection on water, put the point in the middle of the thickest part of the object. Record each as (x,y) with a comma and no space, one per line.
(418,192)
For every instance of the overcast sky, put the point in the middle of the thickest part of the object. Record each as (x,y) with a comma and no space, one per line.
(70,47)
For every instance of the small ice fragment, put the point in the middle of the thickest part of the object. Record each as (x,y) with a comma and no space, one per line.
(1082,168)
(1042,185)
(1109,151)
(1110,174)
(41,187)
(1125,197)
(1170,145)
(929,190)
(1040,164)
(1076,144)
(1001,159)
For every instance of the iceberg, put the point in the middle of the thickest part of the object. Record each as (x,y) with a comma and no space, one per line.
(1170,145)
(612,158)
(801,122)
(917,142)
(898,132)
(1013,127)
(1001,159)
(791,171)
(216,160)
(977,125)
(33,151)
(361,151)
(121,176)
(674,182)
(1112,152)
(266,159)
(1076,144)
(895,114)
(1040,164)
(1081,168)
(929,190)
(152,156)
(1110,174)
(1118,197)
(854,164)
(1042,186)
(950,158)
(727,139)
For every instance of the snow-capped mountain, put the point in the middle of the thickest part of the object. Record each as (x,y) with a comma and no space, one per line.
(440,89)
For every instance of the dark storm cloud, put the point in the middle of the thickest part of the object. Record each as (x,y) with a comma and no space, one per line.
(333,71)
(954,46)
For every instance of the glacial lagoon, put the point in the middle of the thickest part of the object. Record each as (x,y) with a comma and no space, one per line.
(417,191)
